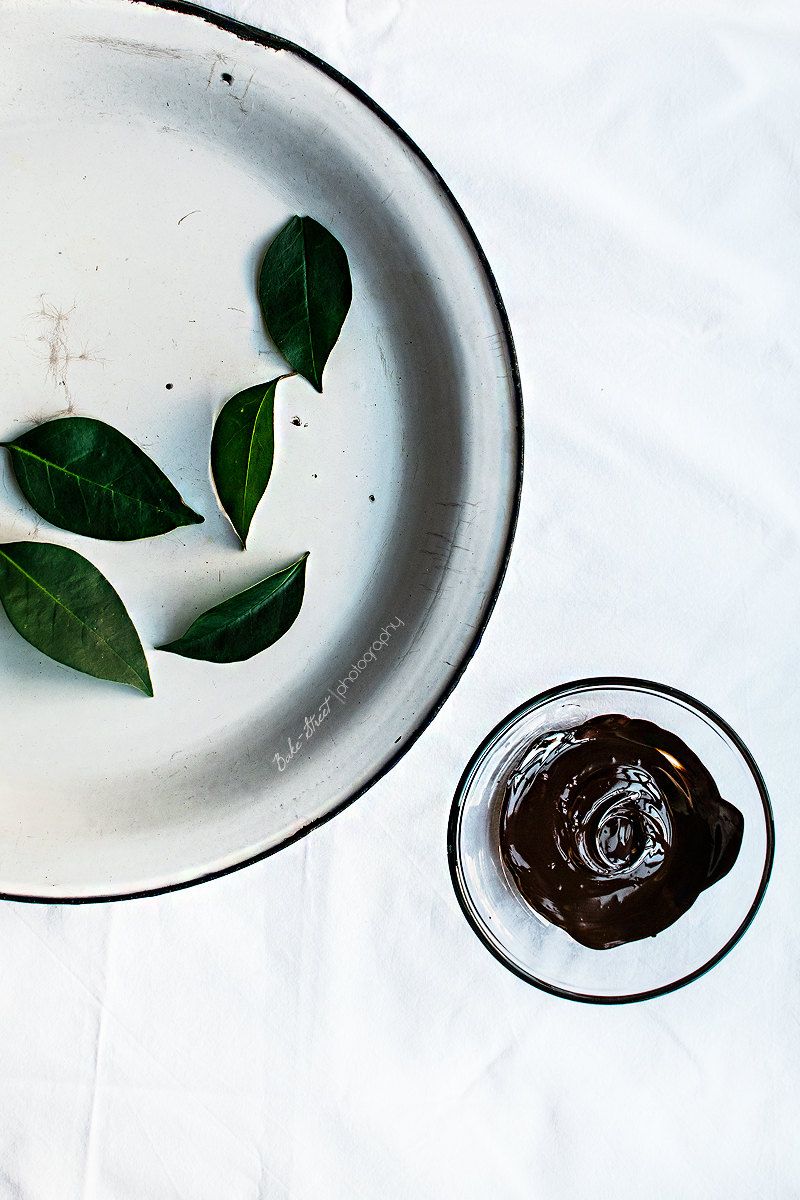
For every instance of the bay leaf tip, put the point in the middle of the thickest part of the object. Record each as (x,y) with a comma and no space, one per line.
(145,686)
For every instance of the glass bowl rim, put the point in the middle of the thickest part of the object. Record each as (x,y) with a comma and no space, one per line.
(596,684)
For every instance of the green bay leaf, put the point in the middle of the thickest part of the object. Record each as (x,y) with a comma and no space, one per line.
(63,606)
(305,291)
(247,623)
(242,450)
(87,477)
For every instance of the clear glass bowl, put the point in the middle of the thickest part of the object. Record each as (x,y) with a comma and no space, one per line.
(545,955)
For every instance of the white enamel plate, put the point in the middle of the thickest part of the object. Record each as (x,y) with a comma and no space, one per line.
(148,157)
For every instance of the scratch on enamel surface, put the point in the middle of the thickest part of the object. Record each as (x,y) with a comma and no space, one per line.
(129,47)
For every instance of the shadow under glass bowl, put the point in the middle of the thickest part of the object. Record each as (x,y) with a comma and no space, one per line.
(546,955)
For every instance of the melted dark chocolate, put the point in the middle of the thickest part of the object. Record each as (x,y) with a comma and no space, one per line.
(611,830)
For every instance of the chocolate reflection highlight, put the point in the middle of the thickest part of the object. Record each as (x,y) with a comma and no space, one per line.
(611,830)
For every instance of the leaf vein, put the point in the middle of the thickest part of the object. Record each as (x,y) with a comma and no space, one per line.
(85,479)
(84,624)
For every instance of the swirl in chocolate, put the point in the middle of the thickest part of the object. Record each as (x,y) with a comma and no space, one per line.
(612,829)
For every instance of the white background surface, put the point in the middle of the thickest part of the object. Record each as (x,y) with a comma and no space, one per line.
(325,1024)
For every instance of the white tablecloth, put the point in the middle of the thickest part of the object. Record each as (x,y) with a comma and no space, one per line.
(325,1025)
